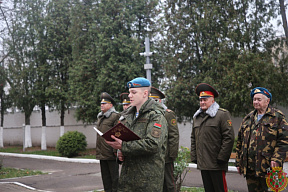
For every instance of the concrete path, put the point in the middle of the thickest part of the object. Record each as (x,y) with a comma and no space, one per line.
(81,175)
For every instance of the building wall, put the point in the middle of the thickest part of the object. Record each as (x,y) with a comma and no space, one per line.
(13,128)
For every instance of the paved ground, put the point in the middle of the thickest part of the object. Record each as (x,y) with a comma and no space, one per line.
(80,175)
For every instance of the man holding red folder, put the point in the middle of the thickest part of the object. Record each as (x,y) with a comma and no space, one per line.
(144,159)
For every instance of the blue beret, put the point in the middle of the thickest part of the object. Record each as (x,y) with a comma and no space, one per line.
(139,82)
(261,90)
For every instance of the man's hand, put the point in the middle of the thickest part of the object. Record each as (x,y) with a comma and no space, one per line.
(274,164)
(120,155)
(117,144)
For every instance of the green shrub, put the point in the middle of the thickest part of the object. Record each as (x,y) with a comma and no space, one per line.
(180,166)
(71,143)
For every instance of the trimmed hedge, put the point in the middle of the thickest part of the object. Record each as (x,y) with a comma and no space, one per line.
(71,143)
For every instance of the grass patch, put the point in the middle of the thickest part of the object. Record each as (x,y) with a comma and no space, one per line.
(11,172)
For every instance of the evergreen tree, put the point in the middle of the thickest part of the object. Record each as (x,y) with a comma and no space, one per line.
(217,42)
(107,37)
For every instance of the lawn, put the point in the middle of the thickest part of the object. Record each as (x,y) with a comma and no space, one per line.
(6,172)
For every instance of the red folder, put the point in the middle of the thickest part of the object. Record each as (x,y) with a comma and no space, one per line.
(120,131)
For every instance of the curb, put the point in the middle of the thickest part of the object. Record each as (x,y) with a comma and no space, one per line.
(66,159)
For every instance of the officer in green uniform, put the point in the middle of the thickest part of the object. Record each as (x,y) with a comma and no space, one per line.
(125,100)
(107,118)
(144,159)
(173,142)
(212,139)
(262,141)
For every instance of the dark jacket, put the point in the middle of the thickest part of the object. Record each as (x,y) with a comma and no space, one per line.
(104,123)
(144,159)
(271,141)
(173,136)
(212,138)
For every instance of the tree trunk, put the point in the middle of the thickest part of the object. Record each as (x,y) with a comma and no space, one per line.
(2,121)
(62,116)
(27,141)
(284,19)
(43,136)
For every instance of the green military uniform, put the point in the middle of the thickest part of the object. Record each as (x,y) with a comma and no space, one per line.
(144,159)
(104,152)
(172,144)
(172,151)
(259,143)
(212,140)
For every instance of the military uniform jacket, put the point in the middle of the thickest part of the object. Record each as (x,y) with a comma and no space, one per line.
(212,138)
(144,159)
(173,136)
(105,122)
(271,141)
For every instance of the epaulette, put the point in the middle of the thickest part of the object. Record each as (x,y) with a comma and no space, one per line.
(159,112)
(223,109)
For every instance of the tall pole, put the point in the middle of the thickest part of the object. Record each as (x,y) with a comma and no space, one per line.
(148,66)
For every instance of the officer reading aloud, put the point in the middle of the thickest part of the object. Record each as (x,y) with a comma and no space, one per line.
(144,159)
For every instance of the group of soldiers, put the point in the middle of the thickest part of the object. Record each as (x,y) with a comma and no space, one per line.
(148,163)
(164,136)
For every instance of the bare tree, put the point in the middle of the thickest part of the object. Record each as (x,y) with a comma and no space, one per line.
(284,19)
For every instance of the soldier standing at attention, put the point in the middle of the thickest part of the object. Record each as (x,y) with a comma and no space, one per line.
(173,142)
(107,118)
(125,100)
(212,139)
(262,140)
(144,159)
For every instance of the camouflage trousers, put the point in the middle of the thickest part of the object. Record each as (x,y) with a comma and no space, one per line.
(256,184)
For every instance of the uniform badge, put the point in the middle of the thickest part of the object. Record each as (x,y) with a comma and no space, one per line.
(229,122)
(173,122)
(156,132)
(276,179)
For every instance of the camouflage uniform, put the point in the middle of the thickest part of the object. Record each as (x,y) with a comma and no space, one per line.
(261,142)
(143,166)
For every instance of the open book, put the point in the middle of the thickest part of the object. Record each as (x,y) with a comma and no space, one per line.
(120,131)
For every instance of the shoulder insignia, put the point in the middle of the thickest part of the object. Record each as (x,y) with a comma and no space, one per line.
(173,122)
(229,122)
(156,132)
(223,109)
